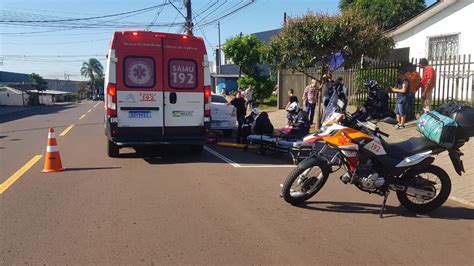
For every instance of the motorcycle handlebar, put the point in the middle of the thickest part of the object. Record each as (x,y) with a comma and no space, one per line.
(372,127)
(383,133)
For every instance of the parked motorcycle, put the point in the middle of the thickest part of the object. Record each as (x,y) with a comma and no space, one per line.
(375,166)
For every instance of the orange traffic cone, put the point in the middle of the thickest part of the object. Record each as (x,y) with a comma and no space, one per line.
(52,161)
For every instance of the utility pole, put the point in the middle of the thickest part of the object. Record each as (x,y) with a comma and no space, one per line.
(218,55)
(189,18)
(240,68)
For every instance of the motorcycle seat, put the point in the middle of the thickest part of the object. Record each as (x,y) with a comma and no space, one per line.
(409,147)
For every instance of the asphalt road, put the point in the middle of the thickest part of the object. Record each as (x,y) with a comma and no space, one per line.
(222,206)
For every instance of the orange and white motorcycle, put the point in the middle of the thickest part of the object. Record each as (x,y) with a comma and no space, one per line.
(375,166)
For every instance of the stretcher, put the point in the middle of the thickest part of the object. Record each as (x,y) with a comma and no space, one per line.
(267,144)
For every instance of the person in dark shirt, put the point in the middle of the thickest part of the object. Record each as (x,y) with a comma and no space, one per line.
(338,88)
(239,103)
(403,94)
(263,125)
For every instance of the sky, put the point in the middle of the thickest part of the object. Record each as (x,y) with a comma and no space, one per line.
(56,49)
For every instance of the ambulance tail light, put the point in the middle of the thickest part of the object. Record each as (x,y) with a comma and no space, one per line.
(111,100)
(207,101)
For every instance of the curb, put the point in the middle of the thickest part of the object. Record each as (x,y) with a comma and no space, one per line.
(462,201)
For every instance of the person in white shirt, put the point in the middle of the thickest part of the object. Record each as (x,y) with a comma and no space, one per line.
(249,97)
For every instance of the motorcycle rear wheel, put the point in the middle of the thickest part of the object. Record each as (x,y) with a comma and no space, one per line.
(418,179)
(310,182)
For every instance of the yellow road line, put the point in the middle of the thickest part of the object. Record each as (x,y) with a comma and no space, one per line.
(89,110)
(66,130)
(82,116)
(5,185)
(96,104)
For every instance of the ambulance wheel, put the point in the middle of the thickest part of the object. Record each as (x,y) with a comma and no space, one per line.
(112,149)
(196,149)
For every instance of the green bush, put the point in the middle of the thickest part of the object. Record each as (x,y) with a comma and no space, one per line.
(262,87)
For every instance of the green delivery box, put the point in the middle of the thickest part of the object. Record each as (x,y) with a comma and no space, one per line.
(438,128)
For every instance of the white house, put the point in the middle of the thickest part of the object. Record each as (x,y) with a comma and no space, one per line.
(443,29)
(444,34)
(11,96)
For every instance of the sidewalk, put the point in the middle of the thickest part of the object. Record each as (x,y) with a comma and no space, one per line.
(462,189)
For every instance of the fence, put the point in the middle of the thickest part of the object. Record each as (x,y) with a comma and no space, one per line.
(454,79)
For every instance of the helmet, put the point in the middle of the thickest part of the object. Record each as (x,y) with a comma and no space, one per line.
(255,111)
(293,107)
(371,84)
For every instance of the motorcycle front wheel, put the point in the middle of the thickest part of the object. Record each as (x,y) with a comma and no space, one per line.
(303,183)
(431,179)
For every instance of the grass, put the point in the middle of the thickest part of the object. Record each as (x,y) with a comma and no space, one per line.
(270,102)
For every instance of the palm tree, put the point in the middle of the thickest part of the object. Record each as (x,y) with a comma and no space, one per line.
(89,68)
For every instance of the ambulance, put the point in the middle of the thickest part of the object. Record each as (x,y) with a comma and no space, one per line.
(157,91)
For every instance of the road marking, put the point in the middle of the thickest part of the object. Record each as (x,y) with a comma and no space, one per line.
(96,105)
(89,110)
(236,165)
(66,130)
(220,156)
(5,185)
(82,116)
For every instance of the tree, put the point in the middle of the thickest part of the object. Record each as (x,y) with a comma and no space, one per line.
(387,13)
(262,86)
(92,69)
(311,40)
(248,53)
(38,82)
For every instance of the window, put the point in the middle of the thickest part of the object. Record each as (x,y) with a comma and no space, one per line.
(182,74)
(139,72)
(218,99)
(443,46)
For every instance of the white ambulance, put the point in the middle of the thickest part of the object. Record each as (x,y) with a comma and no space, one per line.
(157,91)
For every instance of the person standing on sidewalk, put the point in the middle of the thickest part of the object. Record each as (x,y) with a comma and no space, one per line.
(326,85)
(239,103)
(310,97)
(249,97)
(427,84)
(403,92)
(414,78)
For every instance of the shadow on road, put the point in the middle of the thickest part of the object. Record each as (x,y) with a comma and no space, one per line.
(444,212)
(91,168)
(42,110)
(46,128)
(168,154)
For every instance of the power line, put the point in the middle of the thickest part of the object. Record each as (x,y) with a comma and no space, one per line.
(87,18)
(86,26)
(226,15)
(57,43)
(156,16)
(213,11)
(175,18)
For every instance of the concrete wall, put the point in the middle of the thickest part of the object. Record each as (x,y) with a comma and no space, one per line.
(456,19)
(8,97)
(46,99)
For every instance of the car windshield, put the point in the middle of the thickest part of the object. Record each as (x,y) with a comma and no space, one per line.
(218,99)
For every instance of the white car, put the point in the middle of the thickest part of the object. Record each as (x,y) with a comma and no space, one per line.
(223,116)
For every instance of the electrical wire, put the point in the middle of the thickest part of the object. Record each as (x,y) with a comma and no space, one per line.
(87,18)
(225,15)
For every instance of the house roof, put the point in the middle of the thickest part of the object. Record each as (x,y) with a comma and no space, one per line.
(427,13)
(266,36)
(12,77)
(50,92)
